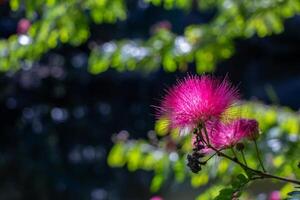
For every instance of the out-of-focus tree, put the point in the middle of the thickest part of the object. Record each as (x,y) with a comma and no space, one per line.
(46,26)
(58,23)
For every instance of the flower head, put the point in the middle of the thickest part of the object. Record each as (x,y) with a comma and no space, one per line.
(250,127)
(195,100)
(227,135)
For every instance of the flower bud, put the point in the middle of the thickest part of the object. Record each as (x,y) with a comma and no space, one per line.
(193,163)
(251,128)
(23,26)
(240,146)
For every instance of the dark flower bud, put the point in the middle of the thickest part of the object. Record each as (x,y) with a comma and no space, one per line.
(240,146)
(193,164)
(198,147)
(198,155)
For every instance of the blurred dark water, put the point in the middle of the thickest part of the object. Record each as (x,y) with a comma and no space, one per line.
(57,120)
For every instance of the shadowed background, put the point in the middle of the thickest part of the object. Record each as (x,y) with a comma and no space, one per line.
(58,118)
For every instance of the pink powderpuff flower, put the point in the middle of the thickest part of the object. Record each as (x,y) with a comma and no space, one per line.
(197,99)
(227,135)
(250,127)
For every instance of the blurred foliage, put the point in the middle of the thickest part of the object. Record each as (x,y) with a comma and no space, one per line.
(56,25)
(165,154)
(294,195)
(68,22)
(206,44)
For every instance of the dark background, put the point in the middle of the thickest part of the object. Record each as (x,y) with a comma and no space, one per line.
(57,120)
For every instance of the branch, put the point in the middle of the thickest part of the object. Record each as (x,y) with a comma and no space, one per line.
(257,172)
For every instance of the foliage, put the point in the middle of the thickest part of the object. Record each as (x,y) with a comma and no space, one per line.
(206,44)
(55,23)
(294,194)
(234,191)
(167,156)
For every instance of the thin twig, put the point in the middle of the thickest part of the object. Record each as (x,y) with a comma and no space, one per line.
(210,157)
(234,153)
(258,156)
(244,158)
(206,134)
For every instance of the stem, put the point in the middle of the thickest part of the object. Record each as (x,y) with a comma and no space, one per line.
(257,172)
(210,157)
(206,134)
(234,153)
(258,156)
(243,155)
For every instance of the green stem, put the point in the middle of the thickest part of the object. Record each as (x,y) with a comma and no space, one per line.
(244,158)
(210,157)
(234,152)
(258,156)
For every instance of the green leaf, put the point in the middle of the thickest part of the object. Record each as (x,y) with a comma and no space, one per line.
(156,183)
(243,179)
(134,157)
(200,179)
(294,195)
(239,182)
(116,156)
(161,126)
(225,194)
(14,4)
(227,191)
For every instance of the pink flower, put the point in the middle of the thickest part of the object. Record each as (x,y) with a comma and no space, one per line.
(165,24)
(23,26)
(156,198)
(275,195)
(227,135)
(195,100)
(250,127)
